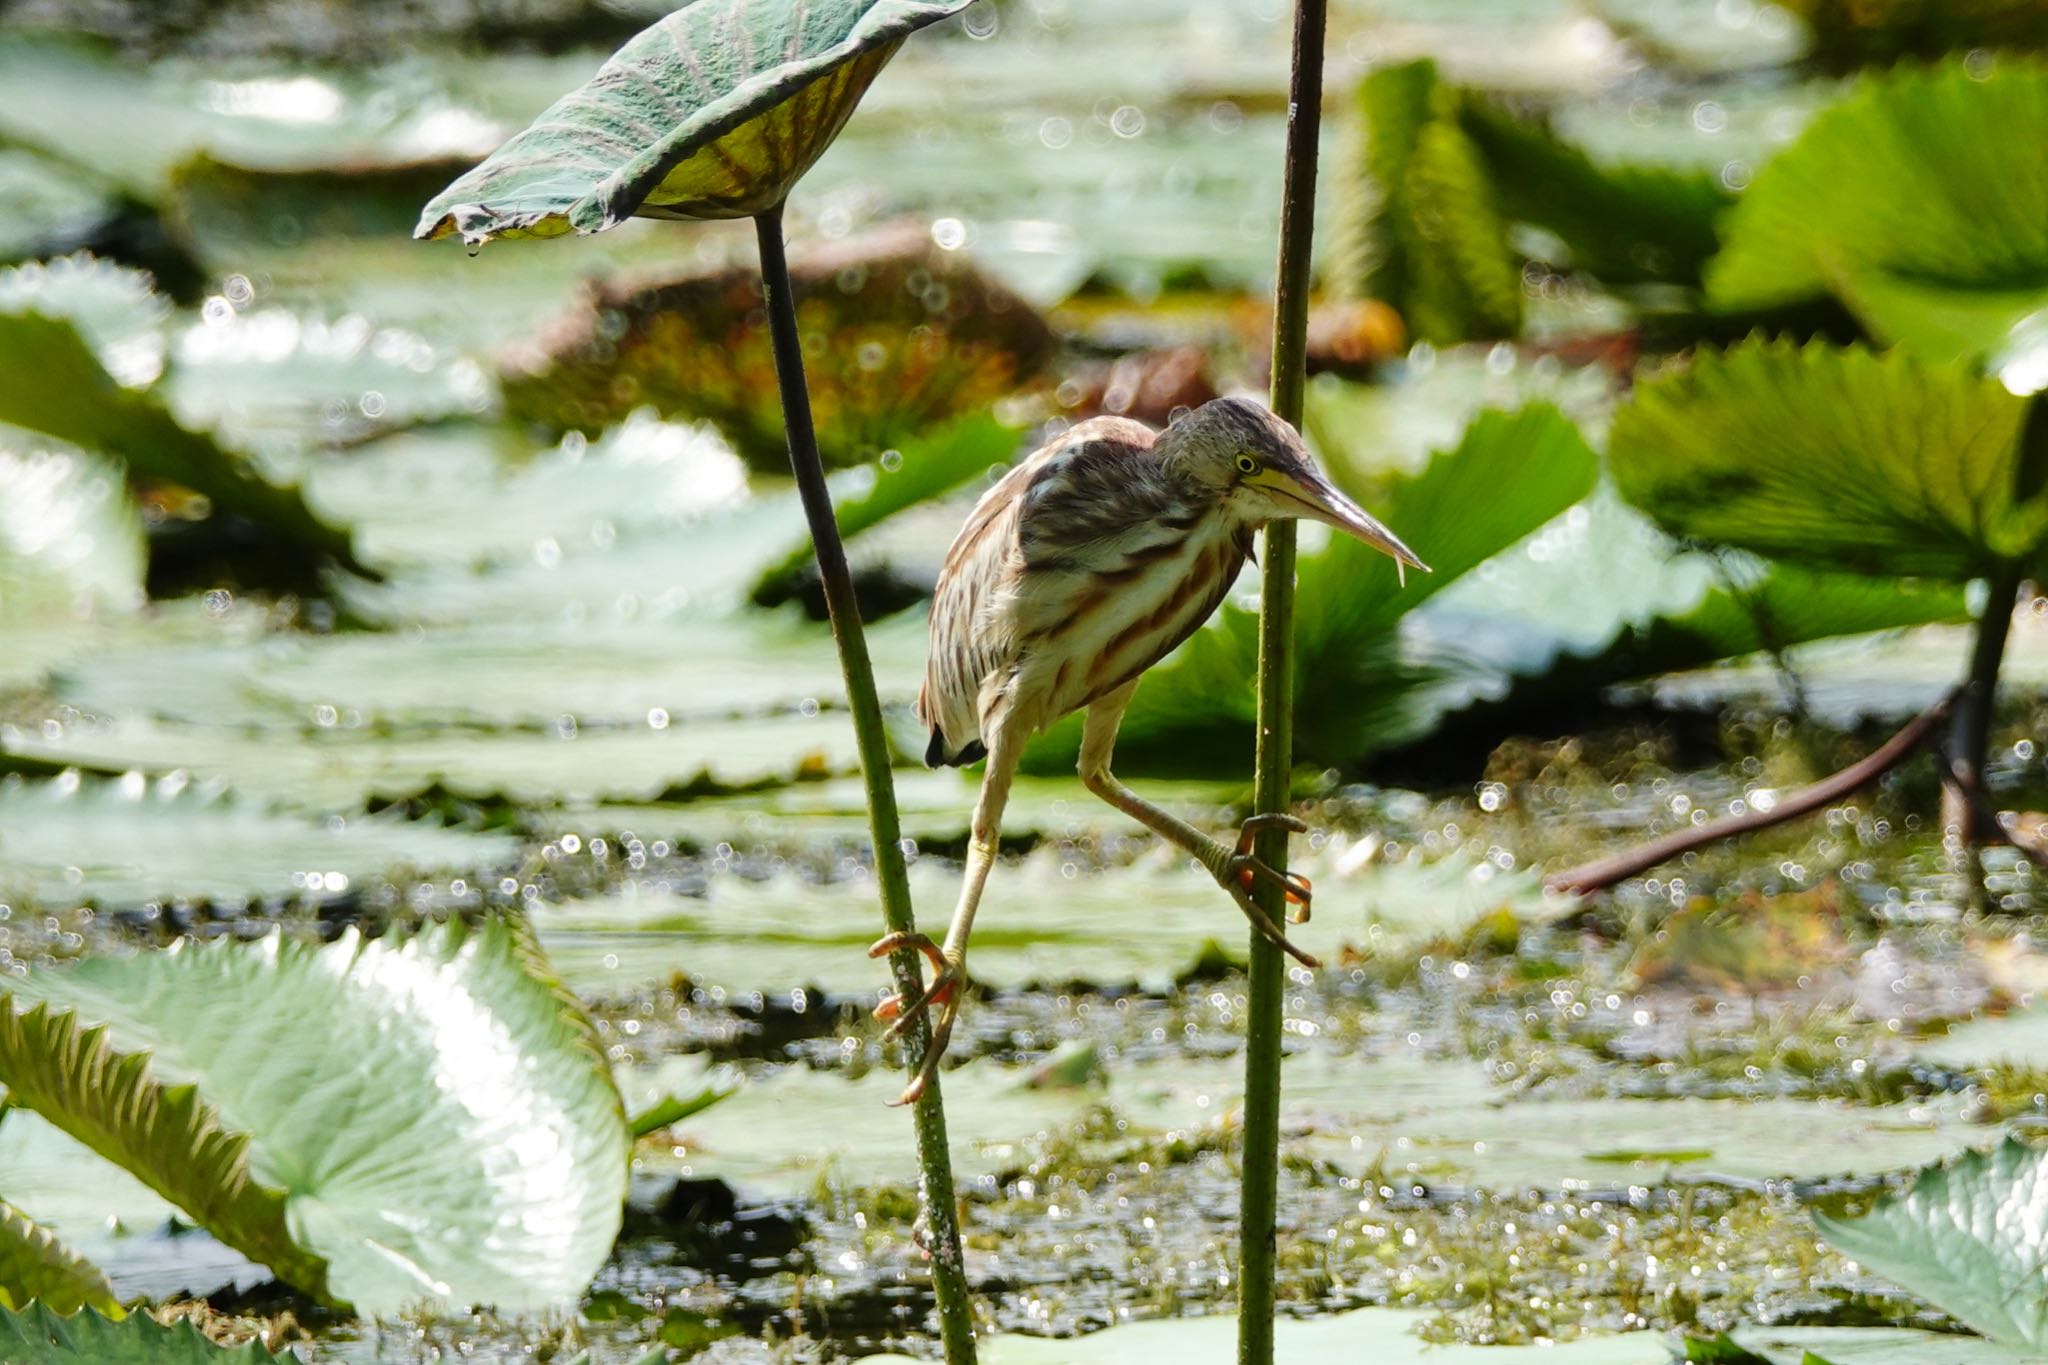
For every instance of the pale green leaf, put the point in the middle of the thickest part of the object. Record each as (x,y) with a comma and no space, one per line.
(1834,457)
(1921,173)
(34,1265)
(1970,1237)
(472,1149)
(714,112)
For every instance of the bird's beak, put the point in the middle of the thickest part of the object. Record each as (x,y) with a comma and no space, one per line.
(1319,500)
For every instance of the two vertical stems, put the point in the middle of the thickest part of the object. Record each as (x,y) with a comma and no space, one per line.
(941,1217)
(1259,1208)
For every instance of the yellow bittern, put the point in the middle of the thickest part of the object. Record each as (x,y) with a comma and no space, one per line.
(1079,570)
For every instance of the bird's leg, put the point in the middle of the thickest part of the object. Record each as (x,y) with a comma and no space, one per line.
(1235,869)
(949,962)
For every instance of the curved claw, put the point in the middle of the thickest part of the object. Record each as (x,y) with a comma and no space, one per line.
(1255,825)
(941,998)
(1263,922)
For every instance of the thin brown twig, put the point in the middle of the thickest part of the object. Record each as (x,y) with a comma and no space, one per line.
(1602,873)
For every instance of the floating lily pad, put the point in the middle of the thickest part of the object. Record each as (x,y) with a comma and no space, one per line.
(1872,1346)
(338,771)
(1431,1120)
(472,1152)
(1385,1336)
(122,843)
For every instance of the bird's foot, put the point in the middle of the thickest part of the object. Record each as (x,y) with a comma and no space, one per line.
(941,998)
(1241,870)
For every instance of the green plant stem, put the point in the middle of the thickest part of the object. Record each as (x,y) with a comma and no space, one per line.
(1259,1206)
(941,1217)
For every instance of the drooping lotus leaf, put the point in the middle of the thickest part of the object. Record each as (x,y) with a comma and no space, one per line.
(1970,1236)
(380,1122)
(44,1337)
(1835,457)
(714,112)
(34,1265)
(910,336)
(1916,182)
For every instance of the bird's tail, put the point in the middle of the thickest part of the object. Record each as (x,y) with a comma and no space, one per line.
(935,755)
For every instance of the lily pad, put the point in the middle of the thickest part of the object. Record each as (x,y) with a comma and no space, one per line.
(129,842)
(1834,457)
(40,1336)
(1385,1336)
(472,1152)
(1432,1120)
(1970,1236)
(712,113)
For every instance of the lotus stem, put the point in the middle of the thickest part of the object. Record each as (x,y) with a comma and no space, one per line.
(1969,740)
(1259,1202)
(941,1217)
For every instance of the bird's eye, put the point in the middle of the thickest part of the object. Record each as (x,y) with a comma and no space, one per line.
(1247,465)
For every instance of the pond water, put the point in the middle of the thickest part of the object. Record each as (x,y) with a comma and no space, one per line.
(1510,1118)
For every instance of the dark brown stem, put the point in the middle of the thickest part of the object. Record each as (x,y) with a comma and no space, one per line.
(1605,872)
(1970,738)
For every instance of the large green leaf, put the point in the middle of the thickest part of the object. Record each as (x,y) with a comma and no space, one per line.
(465,1144)
(39,1336)
(51,382)
(1921,176)
(712,113)
(1834,457)
(35,1265)
(1970,1236)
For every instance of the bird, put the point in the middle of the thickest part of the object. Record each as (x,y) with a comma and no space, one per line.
(1086,564)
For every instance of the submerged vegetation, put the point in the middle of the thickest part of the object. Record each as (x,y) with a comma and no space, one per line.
(436,865)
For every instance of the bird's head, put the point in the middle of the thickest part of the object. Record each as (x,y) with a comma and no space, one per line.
(1260,471)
